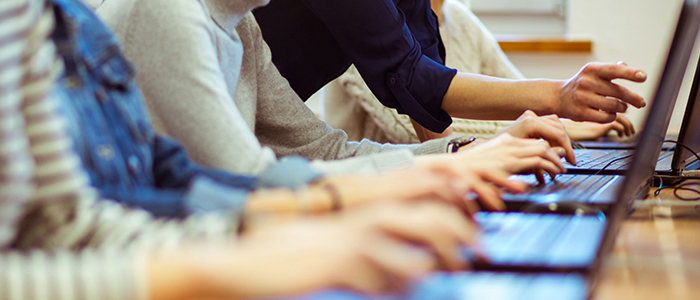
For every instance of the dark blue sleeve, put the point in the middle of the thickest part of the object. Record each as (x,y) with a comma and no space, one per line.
(395,46)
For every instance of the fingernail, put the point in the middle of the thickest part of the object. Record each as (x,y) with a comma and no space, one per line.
(561,152)
(641,75)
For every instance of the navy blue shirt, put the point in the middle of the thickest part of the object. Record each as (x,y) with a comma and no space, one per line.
(394,44)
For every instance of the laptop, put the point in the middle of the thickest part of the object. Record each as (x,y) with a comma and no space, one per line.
(479,286)
(673,159)
(600,191)
(560,255)
(559,243)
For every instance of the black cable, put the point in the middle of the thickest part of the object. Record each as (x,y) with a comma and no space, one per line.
(682,186)
(684,146)
(612,162)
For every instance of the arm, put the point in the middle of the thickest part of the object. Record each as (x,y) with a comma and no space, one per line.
(396,49)
(106,274)
(585,97)
(196,90)
(289,127)
(193,103)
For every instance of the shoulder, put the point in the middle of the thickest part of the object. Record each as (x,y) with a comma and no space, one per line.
(155,17)
(455,8)
(248,29)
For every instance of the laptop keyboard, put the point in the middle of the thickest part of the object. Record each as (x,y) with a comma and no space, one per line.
(597,159)
(590,159)
(530,234)
(539,239)
(573,187)
(500,286)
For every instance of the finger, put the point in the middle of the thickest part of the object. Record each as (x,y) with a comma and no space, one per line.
(627,123)
(540,176)
(543,151)
(501,178)
(606,88)
(619,128)
(619,71)
(527,114)
(489,196)
(434,225)
(610,89)
(532,164)
(471,207)
(599,116)
(559,133)
(609,72)
(448,190)
(594,98)
(391,264)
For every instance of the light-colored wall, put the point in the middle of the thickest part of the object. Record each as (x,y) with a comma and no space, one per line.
(635,31)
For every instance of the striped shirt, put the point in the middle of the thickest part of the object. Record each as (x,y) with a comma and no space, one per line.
(59,241)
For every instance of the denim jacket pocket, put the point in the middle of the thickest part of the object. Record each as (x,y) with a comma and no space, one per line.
(115,72)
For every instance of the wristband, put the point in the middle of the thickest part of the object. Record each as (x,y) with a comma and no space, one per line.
(454,146)
(336,202)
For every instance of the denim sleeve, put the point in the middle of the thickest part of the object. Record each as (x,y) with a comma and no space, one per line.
(173,168)
(197,189)
(396,50)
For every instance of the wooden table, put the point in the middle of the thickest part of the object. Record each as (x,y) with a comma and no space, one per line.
(657,253)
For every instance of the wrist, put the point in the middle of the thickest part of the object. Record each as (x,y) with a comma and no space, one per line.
(271,201)
(170,277)
(553,98)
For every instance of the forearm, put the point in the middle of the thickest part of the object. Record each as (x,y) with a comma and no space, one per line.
(488,98)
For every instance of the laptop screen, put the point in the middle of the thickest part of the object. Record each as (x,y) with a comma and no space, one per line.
(652,136)
(688,135)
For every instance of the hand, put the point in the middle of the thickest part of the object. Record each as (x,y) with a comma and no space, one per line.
(592,96)
(488,166)
(402,185)
(582,131)
(549,128)
(513,155)
(371,250)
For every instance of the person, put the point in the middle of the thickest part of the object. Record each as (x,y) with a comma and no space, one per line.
(131,164)
(396,48)
(225,109)
(348,103)
(42,186)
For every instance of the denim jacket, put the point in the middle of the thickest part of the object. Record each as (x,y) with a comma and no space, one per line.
(127,161)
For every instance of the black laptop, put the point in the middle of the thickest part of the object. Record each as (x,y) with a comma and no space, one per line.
(600,191)
(558,243)
(673,159)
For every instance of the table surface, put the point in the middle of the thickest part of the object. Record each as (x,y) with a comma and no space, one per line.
(657,252)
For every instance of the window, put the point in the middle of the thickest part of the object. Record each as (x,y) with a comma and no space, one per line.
(523,17)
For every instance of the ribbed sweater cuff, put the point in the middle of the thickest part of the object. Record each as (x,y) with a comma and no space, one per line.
(436,146)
